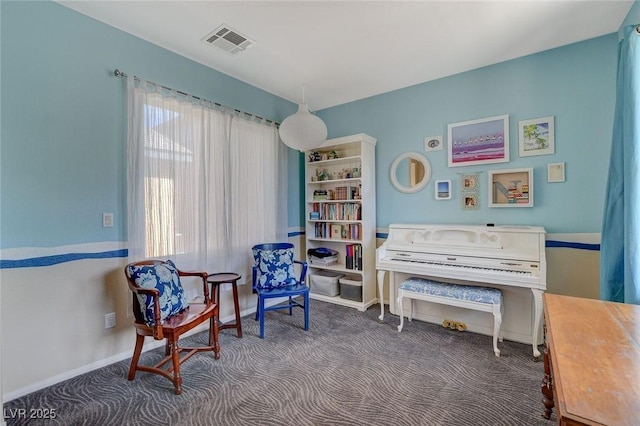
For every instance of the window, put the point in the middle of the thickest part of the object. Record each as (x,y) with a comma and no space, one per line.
(204,184)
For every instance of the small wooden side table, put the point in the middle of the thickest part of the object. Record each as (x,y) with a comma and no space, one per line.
(216,281)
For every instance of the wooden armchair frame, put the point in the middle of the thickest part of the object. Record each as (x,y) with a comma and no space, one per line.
(172,328)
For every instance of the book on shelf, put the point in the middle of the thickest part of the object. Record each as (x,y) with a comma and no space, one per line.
(320,194)
(336,232)
(353,259)
(323,261)
(321,230)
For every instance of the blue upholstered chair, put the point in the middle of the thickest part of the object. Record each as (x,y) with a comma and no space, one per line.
(274,277)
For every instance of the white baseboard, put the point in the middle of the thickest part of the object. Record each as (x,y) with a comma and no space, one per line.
(153,344)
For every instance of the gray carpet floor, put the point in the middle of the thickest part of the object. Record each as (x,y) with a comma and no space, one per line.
(348,369)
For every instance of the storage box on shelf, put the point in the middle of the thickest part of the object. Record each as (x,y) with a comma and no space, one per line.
(325,283)
(341,215)
(350,287)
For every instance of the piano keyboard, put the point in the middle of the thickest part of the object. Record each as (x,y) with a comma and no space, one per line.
(465,267)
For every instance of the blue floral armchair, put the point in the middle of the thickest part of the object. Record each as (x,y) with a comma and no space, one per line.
(274,277)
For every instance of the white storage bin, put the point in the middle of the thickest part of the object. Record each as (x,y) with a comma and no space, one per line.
(325,282)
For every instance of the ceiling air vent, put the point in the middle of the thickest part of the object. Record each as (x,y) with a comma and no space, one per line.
(228,39)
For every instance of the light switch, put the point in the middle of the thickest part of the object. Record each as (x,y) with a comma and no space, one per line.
(107,220)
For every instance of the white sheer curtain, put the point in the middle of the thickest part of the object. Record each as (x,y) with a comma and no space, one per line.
(204,184)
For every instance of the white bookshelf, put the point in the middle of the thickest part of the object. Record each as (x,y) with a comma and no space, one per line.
(350,207)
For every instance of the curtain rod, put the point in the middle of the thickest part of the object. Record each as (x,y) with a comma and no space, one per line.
(119,73)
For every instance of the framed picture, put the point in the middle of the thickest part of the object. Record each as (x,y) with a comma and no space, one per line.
(433,143)
(469,182)
(536,137)
(443,189)
(470,201)
(511,188)
(479,141)
(555,172)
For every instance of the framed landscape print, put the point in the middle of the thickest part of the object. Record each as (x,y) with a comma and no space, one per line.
(479,141)
(443,189)
(536,137)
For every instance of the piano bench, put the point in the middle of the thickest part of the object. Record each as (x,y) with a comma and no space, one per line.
(483,299)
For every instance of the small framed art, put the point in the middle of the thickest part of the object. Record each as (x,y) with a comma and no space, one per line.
(479,141)
(443,189)
(433,143)
(469,182)
(470,201)
(511,188)
(555,172)
(536,137)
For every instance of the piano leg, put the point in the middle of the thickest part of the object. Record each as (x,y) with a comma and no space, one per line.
(537,321)
(400,311)
(381,275)
(497,323)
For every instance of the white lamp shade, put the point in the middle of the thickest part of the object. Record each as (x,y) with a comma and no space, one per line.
(303,130)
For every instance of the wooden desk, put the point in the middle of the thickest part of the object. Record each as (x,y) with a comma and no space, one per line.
(592,361)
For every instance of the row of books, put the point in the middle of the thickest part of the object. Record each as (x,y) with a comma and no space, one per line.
(351,231)
(339,193)
(346,193)
(338,211)
(353,258)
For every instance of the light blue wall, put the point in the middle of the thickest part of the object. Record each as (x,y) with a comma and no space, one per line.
(575,84)
(63,128)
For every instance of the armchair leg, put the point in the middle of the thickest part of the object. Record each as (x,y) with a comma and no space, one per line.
(261,315)
(136,356)
(214,339)
(290,305)
(306,311)
(177,378)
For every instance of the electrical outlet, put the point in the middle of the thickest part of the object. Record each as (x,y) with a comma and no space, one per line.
(110,320)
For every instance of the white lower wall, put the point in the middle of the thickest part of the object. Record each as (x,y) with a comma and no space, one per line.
(52,317)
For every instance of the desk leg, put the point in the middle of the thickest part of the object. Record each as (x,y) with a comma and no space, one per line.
(547,387)
(537,321)
(381,275)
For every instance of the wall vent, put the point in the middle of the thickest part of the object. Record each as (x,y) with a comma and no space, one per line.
(228,39)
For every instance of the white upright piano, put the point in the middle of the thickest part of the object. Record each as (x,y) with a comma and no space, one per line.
(511,258)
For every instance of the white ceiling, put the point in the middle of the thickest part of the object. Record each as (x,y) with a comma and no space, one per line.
(341,51)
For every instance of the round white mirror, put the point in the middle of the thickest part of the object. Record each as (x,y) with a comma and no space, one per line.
(410,172)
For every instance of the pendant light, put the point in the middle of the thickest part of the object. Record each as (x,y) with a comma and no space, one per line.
(303,130)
